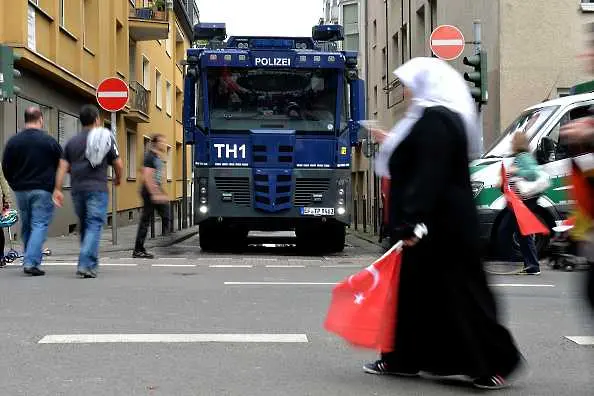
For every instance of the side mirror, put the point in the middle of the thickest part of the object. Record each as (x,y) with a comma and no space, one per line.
(545,151)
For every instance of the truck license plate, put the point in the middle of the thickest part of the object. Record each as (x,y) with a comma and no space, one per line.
(317,211)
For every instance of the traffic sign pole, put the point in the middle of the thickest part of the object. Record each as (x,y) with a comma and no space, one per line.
(112,95)
(114,200)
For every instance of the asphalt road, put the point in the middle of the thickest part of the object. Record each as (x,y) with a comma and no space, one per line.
(185,295)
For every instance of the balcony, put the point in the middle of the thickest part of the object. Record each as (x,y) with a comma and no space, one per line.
(148,23)
(139,101)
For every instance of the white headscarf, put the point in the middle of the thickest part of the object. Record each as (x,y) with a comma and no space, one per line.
(432,82)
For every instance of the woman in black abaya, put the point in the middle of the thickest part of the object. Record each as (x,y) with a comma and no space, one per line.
(447,320)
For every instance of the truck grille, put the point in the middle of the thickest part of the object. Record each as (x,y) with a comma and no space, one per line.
(238,186)
(306,187)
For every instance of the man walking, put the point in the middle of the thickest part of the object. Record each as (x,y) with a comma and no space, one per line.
(152,194)
(30,160)
(87,156)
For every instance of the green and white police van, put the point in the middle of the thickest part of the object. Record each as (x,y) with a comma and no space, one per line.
(541,123)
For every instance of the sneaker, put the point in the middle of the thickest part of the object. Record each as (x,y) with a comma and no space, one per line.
(33,271)
(492,382)
(530,271)
(380,367)
(142,254)
(2,262)
(85,273)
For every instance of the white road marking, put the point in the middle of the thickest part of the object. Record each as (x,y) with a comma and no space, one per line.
(112,94)
(117,265)
(304,260)
(171,338)
(335,283)
(519,285)
(172,258)
(174,265)
(447,42)
(230,266)
(582,340)
(342,266)
(281,283)
(284,266)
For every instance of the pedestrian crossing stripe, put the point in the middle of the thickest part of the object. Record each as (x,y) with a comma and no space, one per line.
(582,340)
(172,338)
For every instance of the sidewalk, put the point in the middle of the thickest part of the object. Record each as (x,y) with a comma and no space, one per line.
(69,245)
(366,236)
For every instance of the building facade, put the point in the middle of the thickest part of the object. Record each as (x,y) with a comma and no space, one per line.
(532,49)
(67,47)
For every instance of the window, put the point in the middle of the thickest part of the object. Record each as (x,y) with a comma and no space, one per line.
(421,41)
(168,48)
(556,150)
(433,7)
(61,3)
(90,26)
(68,126)
(169,98)
(146,144)
(131,154)
(587,6)
(169,164)
(22,105)
(159,89)
(36,2)
(404,46)
(146,76)
(351,27)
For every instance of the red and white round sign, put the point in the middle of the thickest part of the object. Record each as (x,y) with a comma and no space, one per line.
(112,94)
(447,42)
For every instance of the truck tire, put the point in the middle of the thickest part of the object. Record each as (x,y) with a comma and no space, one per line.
(209,237)
(336,238)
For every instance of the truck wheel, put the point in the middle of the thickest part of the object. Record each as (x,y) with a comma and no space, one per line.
(336,238)
(209,236)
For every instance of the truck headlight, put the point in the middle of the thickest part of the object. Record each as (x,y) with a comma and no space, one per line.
(477,187)
(341,211)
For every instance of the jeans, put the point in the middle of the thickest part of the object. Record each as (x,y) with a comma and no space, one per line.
(91,209)
(147,215)
(527,246)
(36,211)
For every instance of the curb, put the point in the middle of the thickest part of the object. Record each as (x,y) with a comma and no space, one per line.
(156,242)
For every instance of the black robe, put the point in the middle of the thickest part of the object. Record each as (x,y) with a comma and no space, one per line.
(447,320)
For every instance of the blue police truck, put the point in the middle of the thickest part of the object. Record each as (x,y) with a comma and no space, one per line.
(272,121)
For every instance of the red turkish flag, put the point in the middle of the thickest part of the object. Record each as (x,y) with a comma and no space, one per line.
(528,223)
(582,191)
(363,306)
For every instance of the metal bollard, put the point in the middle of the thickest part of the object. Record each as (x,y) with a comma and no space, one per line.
(179,215)
(356,214)
(365,215)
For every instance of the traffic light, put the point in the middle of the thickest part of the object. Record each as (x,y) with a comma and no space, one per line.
(478,77)
(8,73)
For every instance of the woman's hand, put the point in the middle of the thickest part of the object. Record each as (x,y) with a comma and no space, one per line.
(411,242)
(378,134)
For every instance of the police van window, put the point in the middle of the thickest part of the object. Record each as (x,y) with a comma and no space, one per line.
(563,150)
(529,122)
(303,100)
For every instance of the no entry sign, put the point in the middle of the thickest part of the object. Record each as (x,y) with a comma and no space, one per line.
(447,42)
(112,94)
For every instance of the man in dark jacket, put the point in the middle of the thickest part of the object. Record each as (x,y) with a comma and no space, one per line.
(30,161)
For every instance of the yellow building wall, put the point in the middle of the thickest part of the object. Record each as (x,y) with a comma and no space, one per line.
(91,42)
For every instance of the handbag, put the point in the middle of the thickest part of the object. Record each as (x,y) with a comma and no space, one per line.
(530,189)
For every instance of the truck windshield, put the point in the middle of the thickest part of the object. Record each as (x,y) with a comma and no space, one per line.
(303,100)
(529,121)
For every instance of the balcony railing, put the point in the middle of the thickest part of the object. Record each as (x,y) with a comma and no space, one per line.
(149,14)
(139,98)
